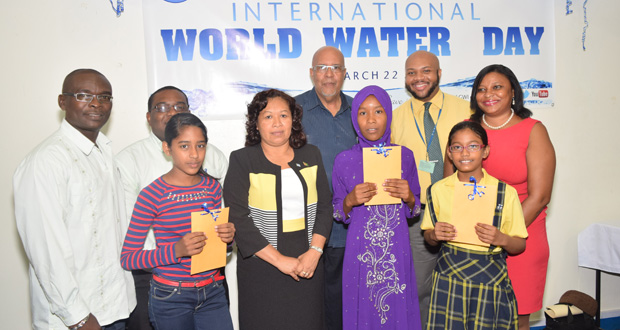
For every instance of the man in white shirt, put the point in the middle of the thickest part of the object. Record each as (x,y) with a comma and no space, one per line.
(143,162)
(70,216)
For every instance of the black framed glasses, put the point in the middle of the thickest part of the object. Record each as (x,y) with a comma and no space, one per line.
(85,97)
(165,107)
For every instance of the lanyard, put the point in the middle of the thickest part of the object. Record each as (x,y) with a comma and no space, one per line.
(428,145)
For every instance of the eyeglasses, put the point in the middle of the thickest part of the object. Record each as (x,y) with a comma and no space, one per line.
(85,97)
(165,107)
(471,148)
(323,68)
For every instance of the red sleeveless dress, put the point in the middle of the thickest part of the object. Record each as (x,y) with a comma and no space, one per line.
(506,161)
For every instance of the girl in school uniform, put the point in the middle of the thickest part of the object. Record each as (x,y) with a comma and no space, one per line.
(178,299)
(477,219)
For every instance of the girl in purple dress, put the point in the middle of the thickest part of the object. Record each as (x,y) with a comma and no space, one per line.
(378,279)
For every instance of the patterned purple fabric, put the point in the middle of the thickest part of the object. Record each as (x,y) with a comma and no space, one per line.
(378,279)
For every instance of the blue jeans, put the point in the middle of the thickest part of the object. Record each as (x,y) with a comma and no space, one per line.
(175,307)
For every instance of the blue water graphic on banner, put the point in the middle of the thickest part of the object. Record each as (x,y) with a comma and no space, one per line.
(247,46)
(535,92)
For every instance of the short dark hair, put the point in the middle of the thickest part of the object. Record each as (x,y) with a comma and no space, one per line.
(259,103)
(177,122)
(165,88)
(518,107)
(473,126)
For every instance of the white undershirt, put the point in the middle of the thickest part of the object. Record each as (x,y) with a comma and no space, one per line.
(292,196)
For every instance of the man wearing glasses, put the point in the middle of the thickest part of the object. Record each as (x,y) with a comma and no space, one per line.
(327,124)
(70,215)
(143,162)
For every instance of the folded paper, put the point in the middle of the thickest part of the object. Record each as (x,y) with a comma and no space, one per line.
(469,210)
(381,163)
(213,254)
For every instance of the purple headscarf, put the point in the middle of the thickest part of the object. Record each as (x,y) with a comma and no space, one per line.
(385,101)
(383,255)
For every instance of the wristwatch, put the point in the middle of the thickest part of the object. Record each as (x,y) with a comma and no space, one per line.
(81,323)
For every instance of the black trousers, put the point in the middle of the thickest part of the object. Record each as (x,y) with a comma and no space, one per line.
(333,287)
(139,318)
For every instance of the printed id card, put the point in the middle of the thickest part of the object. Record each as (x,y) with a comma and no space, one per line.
(427,166)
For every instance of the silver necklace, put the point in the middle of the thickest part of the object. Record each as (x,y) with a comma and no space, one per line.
(502,125)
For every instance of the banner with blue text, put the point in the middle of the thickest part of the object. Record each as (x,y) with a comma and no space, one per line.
(222,53)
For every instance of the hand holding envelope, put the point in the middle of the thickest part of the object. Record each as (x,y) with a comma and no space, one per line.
(213,254)
(380,166)
(467,212)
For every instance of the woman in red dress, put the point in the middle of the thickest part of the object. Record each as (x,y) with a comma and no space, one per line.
(521,155)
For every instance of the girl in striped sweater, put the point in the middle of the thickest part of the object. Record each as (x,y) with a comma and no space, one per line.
(179,300)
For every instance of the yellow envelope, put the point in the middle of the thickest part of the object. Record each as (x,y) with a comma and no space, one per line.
(377,168)
(213,254)
(467,213)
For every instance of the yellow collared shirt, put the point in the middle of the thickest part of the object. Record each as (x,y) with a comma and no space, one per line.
(512,224)
(405,133)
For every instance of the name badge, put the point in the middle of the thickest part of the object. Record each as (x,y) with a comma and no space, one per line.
(427,166)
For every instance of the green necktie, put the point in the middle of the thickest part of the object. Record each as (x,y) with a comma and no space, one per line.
(434,151)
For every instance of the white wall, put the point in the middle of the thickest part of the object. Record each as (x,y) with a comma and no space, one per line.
(42,41)
(583,129)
